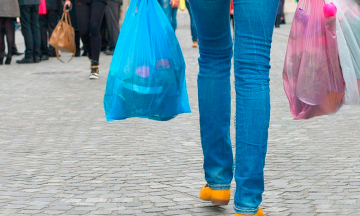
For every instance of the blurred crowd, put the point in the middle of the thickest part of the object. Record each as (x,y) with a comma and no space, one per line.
(97,24)
(38,25)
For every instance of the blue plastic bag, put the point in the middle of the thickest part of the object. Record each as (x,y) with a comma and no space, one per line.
(147,72)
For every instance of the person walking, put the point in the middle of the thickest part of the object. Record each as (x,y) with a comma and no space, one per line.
(123,9)
(254,25)
(170,8)
(192,25)
(8,13)
(73,19)
(280,12)
(48,23)
(89,14)
(76,28)
(29,18)
(232,14)
(112,16)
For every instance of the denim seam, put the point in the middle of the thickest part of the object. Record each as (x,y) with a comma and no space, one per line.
(245,210)
(218,185)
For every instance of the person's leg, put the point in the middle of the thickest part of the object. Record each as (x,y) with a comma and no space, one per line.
(124,7)
(97,13)
(173,18)
(103,34)
(232,21)
(278,21)
(253,35)
(215,47)
(35,28)
(10,36)
(15,50)
(77,43)
(169,12)
(83,21)
(192,22)
(112,22)
(2,41)
(43,22)
(53,17)
(25,19)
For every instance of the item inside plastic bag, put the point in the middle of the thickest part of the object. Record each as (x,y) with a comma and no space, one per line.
(348,35)
(147,72)
(312,75)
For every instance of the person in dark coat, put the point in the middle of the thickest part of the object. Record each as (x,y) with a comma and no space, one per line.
(29,18)
(112,16)
(279,13)
(9,10)
(48,23)
(76,28)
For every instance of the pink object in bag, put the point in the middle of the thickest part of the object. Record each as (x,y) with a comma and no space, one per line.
(330,10)
(42,7)
(312,74)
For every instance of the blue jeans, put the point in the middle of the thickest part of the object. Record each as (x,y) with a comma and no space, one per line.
(194,36)
(254,21)
(169,12)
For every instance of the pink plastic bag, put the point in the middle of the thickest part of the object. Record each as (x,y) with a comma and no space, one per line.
(42,7)
(312,75)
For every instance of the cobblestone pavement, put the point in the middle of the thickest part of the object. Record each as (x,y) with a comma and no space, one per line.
(58,155)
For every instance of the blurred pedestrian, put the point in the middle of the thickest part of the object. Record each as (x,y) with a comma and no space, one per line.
(194,36)
(8,13)
(29,18)
(76,28)
(123,10)
(254,25)
(170,8)
(15,51)
(112,16)
(104,34)
(48,23)
(89,14)
(280,11)
(232,14)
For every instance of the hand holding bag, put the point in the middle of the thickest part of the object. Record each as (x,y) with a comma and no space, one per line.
(63,36)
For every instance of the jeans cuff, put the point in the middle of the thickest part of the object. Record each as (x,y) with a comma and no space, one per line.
(246,211)
(219,186)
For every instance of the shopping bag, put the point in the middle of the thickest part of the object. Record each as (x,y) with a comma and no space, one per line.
(312,75)
(348,31)
(63,36)
(42,7)
(147,72)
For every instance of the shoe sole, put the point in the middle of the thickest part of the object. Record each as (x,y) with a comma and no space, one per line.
(25,62)
(94,77)
(218,202)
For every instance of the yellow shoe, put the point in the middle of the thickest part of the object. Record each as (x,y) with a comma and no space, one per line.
(195,44)
(259,213)
(217,197)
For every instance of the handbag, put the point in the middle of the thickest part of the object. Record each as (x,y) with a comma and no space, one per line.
(63,36)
